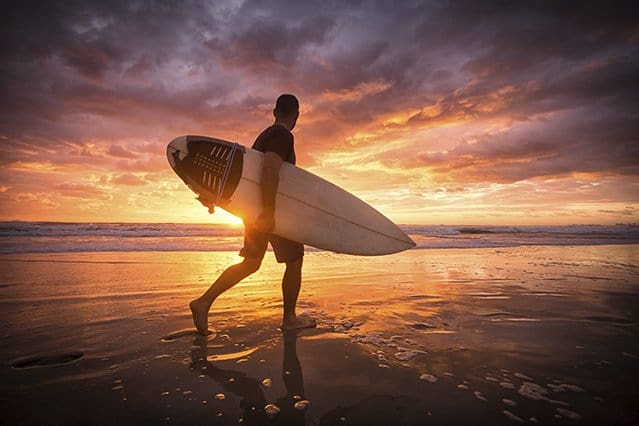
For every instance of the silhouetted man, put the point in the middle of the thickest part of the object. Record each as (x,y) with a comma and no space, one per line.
(277,144)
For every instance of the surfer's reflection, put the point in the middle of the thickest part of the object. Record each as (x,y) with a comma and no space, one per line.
(249,389)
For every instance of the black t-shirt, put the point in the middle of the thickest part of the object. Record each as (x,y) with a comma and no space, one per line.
(276,139)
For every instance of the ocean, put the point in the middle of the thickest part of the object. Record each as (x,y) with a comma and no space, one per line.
(46,237)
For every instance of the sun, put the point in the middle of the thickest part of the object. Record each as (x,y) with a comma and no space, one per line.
(226,218)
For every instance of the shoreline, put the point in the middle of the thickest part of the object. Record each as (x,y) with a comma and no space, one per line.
(309,249)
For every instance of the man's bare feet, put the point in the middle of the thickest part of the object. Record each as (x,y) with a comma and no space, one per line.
(200,311)
(298,322)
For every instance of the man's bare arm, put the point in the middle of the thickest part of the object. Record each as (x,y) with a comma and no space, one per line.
(270,180)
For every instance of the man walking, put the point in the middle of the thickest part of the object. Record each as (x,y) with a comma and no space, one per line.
(277,144)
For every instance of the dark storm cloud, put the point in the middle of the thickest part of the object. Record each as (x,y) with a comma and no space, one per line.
(606,144)
(270,42)
(606,84)
(73,73)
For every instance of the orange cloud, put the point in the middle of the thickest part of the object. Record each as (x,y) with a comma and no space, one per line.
(79,190)
(417,109)
(120,151)
(41,167)
(356,93)
(38,198)
(128,179)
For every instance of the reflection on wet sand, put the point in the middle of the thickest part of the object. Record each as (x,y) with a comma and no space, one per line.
(481,336)
(289,409)
(378,410)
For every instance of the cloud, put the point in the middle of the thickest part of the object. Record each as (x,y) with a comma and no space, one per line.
(128,179)
(120,151)
(88,59)
(451,94)
(355,94)
(38,198)
(627,211)
(79,190)
(543,149)
(270,42)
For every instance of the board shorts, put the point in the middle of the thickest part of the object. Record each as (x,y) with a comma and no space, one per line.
(255,243)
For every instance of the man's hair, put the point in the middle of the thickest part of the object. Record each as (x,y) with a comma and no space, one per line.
(287,104)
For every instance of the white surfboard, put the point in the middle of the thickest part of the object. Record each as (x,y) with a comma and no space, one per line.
(308,209)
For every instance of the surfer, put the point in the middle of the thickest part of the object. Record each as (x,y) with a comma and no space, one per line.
(277,144)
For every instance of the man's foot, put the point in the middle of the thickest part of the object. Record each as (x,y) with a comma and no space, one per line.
(298,322)
(200,312)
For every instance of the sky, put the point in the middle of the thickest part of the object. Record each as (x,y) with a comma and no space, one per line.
(434,112)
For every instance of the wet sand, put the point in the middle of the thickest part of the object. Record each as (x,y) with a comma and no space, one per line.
(543,335)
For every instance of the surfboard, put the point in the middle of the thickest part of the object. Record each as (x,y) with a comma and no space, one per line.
(309,209)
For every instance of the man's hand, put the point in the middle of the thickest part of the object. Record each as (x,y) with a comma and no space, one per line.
(265,223)
(207,202)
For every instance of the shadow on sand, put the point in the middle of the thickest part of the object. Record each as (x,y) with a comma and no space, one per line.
(249,389)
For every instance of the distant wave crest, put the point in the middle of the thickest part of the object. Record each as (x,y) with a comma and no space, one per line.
(46,237)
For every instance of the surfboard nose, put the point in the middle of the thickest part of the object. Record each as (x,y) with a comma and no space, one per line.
(402,236)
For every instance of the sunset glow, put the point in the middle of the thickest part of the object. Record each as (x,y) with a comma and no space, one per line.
(433,113)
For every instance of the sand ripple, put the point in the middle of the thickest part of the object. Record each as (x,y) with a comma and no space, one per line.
(48,360)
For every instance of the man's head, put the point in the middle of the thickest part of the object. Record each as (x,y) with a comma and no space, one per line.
(287,109)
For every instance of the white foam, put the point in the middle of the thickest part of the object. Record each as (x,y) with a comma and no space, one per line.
(27,237)
(271,409)
(375,338)
(564,387)
(422,325)
(511,416)
(302,405)
(428,377)
(405,354)
(570,414)
(533,391)
(523,377)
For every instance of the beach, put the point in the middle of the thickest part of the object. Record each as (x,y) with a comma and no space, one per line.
(497,335)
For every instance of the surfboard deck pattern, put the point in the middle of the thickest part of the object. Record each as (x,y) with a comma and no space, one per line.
(308,209)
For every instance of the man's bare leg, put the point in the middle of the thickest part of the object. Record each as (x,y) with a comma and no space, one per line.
(232,275)
(291,284)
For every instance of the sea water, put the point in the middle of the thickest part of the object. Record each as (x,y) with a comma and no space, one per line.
(44,237)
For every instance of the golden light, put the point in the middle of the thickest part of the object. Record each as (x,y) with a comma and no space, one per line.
(227,218)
